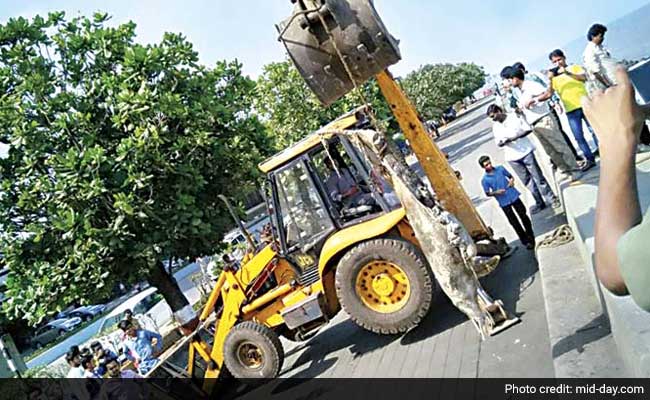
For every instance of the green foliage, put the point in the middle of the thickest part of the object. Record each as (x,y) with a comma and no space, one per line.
(433,88)
(47,371)
(291,111)
(117,154)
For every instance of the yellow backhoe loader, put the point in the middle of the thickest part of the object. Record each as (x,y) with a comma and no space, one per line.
(339,236)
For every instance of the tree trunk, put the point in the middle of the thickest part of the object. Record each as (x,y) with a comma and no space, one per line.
(169,289)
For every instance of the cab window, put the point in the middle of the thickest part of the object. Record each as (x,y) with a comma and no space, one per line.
(302,214)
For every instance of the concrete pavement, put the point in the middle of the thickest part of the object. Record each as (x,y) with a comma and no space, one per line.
(582,343)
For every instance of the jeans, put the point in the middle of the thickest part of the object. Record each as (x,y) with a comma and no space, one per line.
(524,233)
(575,122)
(531,175)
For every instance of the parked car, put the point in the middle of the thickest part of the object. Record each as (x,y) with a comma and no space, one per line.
(86,313)
(52,330)
(449,114)
(402,143)
(93,310)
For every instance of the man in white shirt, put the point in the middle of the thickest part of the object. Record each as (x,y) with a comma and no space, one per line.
(598,63)
(73,358)
(509,99)
(601,71)
(545,127)
(510,133)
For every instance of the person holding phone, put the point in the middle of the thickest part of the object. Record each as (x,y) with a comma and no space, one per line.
(568,81)
(621,233)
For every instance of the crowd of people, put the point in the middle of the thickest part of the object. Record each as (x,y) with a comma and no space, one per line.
(600,96)
(137,354)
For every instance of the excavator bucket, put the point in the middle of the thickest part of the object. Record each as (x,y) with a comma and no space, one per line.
(499,319)
(329,40)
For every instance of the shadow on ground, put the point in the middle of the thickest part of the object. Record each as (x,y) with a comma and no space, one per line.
(344,335)
(461,126)
(462,148)
(478,200)
(592,331)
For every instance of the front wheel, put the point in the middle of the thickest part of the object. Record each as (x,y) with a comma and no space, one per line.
(385,285)
(252,350)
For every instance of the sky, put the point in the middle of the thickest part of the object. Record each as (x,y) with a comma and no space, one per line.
(490,33)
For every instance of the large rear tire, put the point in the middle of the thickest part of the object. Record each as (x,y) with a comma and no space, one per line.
(253,351)
(385,285)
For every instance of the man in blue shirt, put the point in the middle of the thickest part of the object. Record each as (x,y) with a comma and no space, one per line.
(498,183)
(139,346)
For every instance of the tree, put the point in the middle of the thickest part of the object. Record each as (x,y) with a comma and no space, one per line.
(291,111)
(117,154)
(433,88)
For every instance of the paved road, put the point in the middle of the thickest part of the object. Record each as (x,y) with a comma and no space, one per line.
(446,344)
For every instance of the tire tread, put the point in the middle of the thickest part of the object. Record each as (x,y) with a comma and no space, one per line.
(397,246)
(263,331)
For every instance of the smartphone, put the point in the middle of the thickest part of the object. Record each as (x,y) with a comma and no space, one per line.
(640,77)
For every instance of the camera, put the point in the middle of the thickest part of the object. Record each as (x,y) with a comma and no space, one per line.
(555,71)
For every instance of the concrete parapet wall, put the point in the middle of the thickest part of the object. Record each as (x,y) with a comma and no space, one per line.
(630,324)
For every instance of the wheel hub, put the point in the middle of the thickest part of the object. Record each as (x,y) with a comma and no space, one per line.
(250,355)
(382,286)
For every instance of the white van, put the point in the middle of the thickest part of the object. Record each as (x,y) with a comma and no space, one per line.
(148,307)
(237,241)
